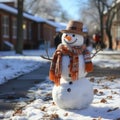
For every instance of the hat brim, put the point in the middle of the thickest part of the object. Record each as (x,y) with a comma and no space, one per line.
(72,31)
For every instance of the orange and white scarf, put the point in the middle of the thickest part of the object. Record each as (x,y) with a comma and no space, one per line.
(73,53)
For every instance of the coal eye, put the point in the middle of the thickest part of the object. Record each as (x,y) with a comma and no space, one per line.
(73,35)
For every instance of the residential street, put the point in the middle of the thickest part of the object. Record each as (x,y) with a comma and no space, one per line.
(27,93)
(30,37)
(15,89)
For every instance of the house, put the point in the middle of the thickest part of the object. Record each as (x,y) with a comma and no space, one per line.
(36,30)
(116,27)
(115,30)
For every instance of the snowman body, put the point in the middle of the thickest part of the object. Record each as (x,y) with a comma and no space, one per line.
(71,94)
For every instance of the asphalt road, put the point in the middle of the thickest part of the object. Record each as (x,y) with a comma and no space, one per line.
(18,87)
(101,72)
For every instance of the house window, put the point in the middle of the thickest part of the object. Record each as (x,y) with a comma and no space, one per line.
(24,30)
(14,29)
(30,31)
(5,26)
(39,32)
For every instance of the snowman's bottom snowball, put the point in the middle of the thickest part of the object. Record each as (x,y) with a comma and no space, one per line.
(75,95)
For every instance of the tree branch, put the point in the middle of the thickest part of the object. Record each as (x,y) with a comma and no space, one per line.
(96,52)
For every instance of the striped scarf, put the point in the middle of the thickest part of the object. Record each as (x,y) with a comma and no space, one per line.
(73,53)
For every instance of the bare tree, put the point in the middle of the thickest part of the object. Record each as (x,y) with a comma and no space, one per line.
(95,11)
(49,9)
(111,12)
(90,17)
(101,7)
(19,42)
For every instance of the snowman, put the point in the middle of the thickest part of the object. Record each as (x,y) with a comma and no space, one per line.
(70,64)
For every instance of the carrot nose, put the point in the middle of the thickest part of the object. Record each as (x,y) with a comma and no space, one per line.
(68,38)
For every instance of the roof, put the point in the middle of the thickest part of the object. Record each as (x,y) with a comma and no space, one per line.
(58,26)
(15,11)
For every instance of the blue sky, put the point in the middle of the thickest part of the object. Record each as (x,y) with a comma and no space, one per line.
(72,7)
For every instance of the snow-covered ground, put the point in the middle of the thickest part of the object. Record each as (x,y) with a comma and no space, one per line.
(105,106)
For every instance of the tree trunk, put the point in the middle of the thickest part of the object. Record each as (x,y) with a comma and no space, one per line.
(110,16)
(101,8)
(19,42)
(102,45)
(110,40)
(109,21)
(110,44)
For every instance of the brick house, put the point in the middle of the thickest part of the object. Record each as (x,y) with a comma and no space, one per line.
(36,30)
(115,30)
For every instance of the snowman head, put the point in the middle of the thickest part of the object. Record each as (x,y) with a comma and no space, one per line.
(73,35)
(72,39)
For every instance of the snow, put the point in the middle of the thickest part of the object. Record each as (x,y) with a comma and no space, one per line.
(108,59)
(10,45)
(8,8)
(105,106)
(59,26)
(9,61)
(14,11)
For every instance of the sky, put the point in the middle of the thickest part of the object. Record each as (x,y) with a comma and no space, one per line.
(6,0)
(72,7)
(105,105)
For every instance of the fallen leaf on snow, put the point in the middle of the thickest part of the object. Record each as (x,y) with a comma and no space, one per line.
(54,116)
(114,92)
(66,114)
(43,108)
(111,78)
(53,103)
(109,97)
(95,91)
(103,100)
(92,79)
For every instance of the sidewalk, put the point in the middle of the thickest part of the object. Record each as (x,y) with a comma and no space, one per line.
(18,88)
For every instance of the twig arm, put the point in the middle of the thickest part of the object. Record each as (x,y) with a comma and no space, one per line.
(96,53)
(47,58)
